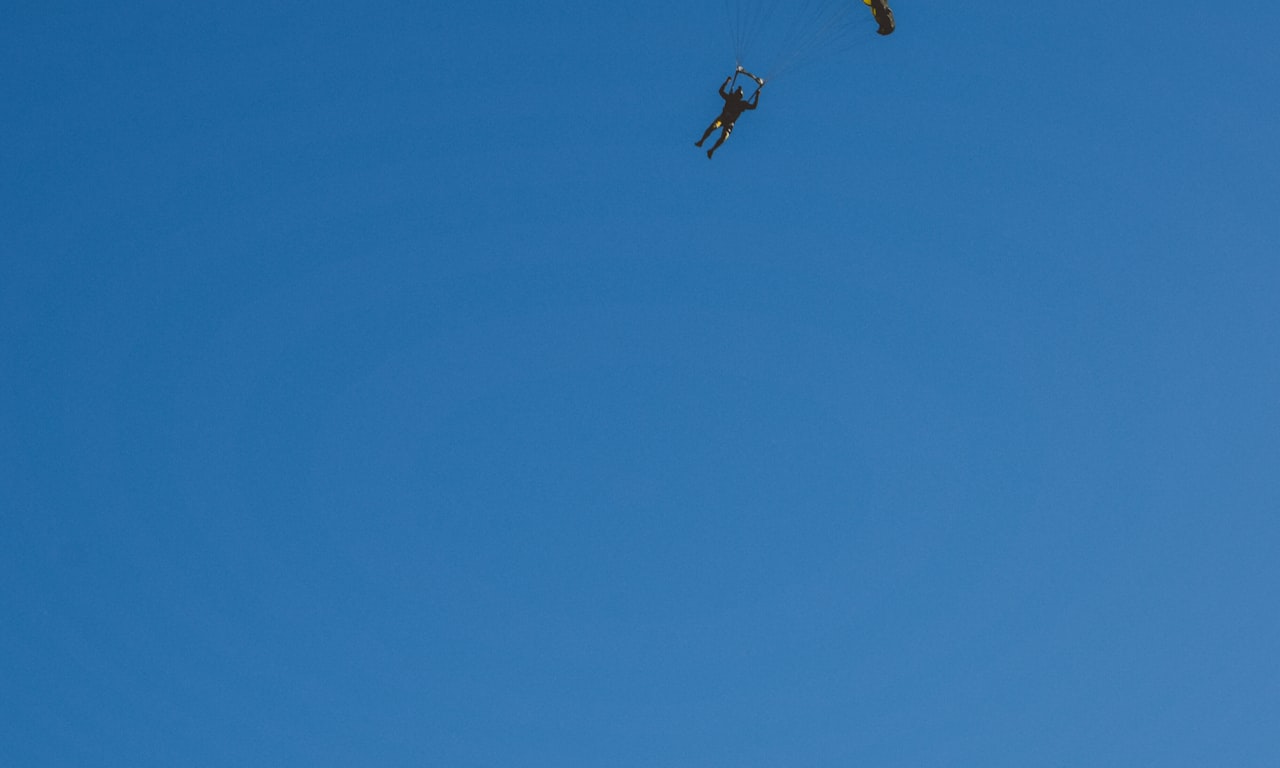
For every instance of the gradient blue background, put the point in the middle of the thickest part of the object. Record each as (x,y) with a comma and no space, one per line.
(393,384)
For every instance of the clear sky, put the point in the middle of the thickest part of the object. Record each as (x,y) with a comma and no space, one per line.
(394,384)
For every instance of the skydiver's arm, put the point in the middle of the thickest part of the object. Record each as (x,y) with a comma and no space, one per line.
(724,95)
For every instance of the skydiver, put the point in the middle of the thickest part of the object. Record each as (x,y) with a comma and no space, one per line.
(734,106)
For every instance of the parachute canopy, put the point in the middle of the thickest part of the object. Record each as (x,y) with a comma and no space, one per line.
(884,15)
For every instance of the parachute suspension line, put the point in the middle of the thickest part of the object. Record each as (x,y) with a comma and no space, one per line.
(742,18)
(816,25)
(791,32)
(856,40)
(732,15)
(748,21)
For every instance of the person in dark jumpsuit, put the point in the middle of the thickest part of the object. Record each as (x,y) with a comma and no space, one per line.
(734,106)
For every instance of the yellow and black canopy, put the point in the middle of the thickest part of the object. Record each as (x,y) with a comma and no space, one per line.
(884,16)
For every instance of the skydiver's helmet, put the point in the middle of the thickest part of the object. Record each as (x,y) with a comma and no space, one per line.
(739,93)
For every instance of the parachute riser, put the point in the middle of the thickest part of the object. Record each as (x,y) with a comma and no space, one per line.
(740,71)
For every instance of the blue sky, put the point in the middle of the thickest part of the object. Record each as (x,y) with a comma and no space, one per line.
(391,384)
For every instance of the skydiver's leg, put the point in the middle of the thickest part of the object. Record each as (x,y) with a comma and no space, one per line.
(723,135)
(710,128)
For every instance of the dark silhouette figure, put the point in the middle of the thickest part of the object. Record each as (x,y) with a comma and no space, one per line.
(734,106)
